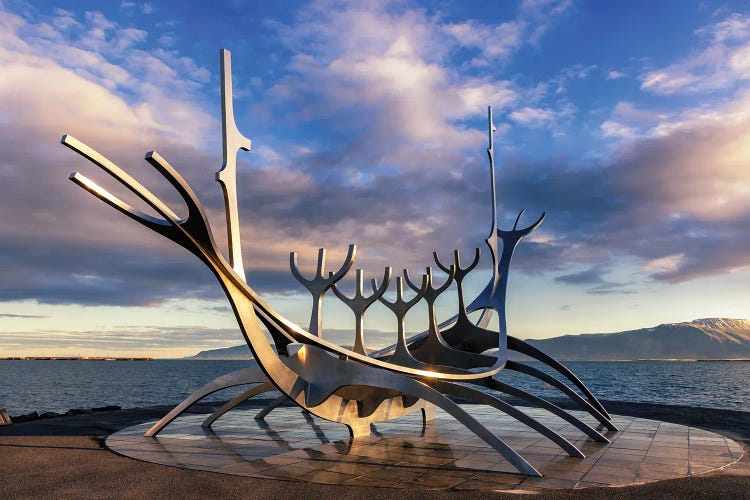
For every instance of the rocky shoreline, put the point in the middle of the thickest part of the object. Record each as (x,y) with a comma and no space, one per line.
(732,423)
(29,417)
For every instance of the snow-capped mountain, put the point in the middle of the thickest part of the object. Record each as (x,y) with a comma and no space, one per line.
(706,338)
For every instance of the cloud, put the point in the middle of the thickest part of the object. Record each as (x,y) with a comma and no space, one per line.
(541,14)
(615,75)
(144,339)
(151,340)
(51,84)
(629,121)
(612,128)
(722,64)
(675,199)
(22,316)
(594,277)
(368,62)
(498,43)
(571,73)
(541,117)
(735,27)
(533,117)
(402,172)
(72,249)
(586,277)
(161,85)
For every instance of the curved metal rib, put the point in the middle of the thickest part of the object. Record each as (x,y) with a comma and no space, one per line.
(253,391)
(194,234)
(488,437)
(464,334)
(530,370)
(331,374)
(531,351)
(462,391)
(124,178)
(494,384)
(249,375)
(270,407)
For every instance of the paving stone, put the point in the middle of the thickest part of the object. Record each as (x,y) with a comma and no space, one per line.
(444,455)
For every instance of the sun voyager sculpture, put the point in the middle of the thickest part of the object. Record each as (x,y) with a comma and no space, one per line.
(356,387)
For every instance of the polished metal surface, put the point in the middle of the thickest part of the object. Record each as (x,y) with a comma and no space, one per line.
(339,384)
(234,402)
(399,307)
(491,240)
(5,417)
(249,375)
(359,304)
(471,341)
(351,388)
(319,284)
(232,142)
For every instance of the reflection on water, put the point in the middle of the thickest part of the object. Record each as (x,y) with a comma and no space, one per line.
(41,386)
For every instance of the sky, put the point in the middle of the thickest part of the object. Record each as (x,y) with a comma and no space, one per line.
(628,123)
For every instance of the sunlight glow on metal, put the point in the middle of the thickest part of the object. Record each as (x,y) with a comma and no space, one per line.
(417,374)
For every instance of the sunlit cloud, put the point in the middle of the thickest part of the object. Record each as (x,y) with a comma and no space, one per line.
(724,62)
(368,122)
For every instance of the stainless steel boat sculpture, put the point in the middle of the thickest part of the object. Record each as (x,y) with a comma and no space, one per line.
(455,358)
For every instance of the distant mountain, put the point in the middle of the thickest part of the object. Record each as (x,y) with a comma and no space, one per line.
(708,338)
(238,352)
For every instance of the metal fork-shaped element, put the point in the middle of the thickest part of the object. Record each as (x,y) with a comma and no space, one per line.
(511,239)
(492,298)
(319,284)
(430,296)
(400,307)
(433,349)
(359,304)
(459,274)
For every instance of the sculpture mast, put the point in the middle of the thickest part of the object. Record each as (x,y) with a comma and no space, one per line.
(491,240)
(232,142)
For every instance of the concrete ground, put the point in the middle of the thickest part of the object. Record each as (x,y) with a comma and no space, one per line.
(63,457)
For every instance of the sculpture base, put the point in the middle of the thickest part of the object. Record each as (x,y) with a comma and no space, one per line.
(292,445)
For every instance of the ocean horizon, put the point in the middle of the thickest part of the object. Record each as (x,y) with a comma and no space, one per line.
(60,385)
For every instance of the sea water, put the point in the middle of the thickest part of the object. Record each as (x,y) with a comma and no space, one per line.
(41,386)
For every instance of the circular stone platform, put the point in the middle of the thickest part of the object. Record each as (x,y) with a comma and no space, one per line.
(292,445)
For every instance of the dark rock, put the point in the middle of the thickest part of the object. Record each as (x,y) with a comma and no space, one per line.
(78,411)
(26,418)
(107,408)
(50,414)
